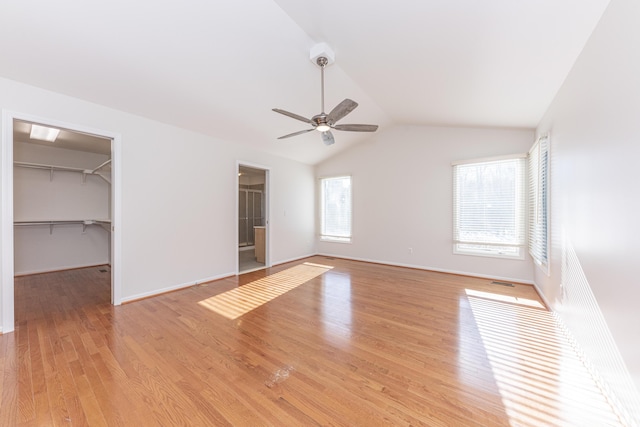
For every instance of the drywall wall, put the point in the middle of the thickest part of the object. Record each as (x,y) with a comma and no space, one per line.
(179,191)
(402,197)
(595,132)
(38,196)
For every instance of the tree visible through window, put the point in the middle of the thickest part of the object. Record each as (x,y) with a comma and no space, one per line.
(489,207)
(335,209)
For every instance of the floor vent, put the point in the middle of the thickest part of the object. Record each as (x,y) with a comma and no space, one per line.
(495,282)
(328,257)
(102,270)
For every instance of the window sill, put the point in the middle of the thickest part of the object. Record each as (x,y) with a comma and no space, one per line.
(489,254)
(334,240)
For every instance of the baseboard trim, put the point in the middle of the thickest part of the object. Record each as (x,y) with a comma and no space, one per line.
(437,270)
(543,297)
(78,267)
(292,259)
(145,295)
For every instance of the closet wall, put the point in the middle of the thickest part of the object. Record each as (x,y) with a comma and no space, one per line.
(39,196)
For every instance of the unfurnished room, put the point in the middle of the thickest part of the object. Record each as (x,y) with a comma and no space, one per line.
(291,213)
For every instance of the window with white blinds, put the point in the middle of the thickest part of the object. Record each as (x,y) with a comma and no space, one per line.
(335,209)
(489,207)
(538,166)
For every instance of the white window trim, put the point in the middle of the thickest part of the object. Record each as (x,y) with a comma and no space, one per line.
(542,265)
(522,247)
(327,238)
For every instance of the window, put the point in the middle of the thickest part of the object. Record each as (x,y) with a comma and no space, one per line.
(335,209)
(489,207)
(538,165)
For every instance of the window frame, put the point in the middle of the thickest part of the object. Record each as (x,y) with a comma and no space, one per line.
(538,194)
(520,217)
(322,235)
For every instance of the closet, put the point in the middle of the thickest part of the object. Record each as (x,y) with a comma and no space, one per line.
(62,201)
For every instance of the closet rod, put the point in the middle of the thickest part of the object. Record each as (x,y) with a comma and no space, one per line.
(52,168)
(101,166)
(105,224)
(47,167)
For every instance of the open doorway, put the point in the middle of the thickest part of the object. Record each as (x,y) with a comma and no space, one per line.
(61,205)
(252,218)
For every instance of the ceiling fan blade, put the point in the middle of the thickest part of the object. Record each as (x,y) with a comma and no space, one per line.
(293,115)
(341,110)
(296,133)
(327,138)
(357,128)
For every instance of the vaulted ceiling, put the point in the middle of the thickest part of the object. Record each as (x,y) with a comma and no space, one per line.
(219,67)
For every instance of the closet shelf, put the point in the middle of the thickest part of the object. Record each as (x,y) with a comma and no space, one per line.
(52,168)
(105,224)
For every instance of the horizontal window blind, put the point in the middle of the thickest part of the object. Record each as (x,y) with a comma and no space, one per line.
(335,206)
(538,165)
(489,207)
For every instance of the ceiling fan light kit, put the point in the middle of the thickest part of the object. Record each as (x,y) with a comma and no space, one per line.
(322,55)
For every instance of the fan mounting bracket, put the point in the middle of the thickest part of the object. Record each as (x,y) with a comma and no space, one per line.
(322,50)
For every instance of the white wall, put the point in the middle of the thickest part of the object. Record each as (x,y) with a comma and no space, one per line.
(594,123)
(66,197)
(179,191)
(402,197)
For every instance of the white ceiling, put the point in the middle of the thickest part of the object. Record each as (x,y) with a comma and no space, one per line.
(219,67)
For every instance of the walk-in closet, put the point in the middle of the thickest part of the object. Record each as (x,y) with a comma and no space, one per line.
(62,200)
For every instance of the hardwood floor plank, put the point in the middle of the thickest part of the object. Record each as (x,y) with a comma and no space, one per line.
(26,410)
(359,345)
(38,378)
(9,382)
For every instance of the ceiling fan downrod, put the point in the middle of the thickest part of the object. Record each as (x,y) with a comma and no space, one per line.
(322,62)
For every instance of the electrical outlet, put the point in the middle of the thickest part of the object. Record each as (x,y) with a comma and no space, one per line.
(411,251)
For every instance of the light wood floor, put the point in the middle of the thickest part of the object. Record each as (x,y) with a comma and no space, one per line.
(350,344)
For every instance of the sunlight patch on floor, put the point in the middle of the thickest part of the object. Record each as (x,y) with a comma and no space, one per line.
(540,377)
(504,298)
(239,301)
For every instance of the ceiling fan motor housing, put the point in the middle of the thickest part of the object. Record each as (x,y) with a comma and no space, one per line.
(321,122)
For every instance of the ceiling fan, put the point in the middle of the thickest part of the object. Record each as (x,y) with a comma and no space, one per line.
(325,122)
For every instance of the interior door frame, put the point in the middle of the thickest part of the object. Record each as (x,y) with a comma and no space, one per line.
(267,211)
(6,213)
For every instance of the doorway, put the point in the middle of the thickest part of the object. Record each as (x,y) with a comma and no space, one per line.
(252,218)
(16,131)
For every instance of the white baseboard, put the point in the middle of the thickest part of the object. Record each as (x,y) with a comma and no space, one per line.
(284,261)
(543,298)
(156,292)
(438,270)
(175,287)
(63,268)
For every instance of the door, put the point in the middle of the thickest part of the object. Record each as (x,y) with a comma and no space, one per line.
(252,208)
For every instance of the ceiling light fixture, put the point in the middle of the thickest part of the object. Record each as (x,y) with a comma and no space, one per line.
(44,133)
(322,55)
